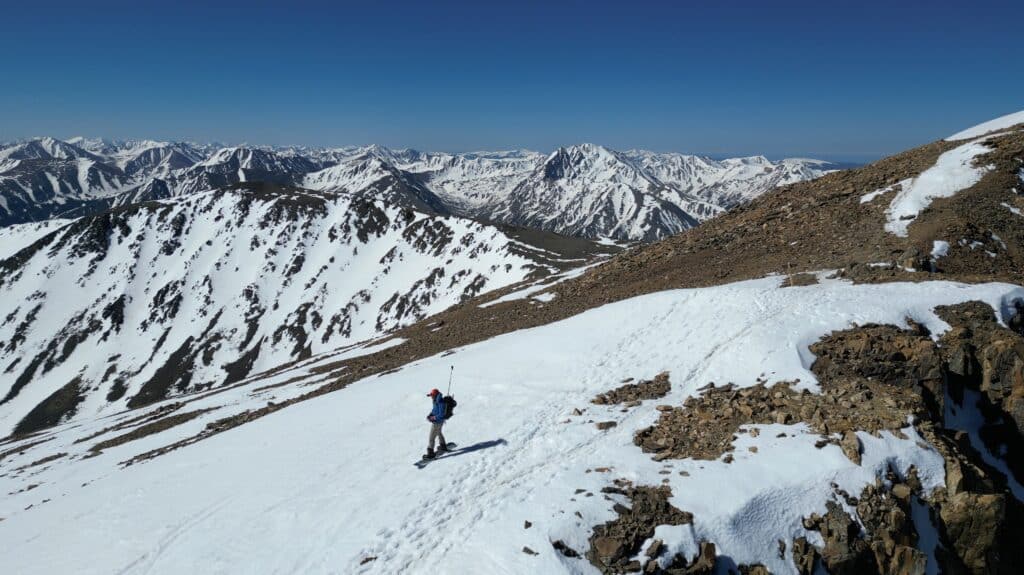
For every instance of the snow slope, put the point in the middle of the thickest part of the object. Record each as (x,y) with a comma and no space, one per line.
(999,123)
(169,297)
(17,237)
(328,486)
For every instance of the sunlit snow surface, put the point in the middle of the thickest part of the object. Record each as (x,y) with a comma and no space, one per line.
(325,484)
(19,236)
(989,126)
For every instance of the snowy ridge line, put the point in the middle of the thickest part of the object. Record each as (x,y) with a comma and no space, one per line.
(301,453)
(1001,123)
(585,190)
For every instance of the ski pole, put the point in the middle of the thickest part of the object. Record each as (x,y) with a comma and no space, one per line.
(450,374)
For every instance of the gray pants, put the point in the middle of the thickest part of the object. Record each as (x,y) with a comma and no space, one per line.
(435,433)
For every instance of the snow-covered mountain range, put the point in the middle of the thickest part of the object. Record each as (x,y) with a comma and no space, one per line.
(584,190)
(168,297)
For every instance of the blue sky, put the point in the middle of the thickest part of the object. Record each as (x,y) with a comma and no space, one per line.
(840,80)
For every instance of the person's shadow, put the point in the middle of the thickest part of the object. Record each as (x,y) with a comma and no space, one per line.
(463,450)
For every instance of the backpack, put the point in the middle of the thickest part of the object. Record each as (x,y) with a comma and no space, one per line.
(449,406)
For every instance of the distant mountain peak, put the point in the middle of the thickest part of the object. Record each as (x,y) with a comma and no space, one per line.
(580,189)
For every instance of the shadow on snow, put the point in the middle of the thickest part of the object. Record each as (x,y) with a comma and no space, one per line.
(464,450)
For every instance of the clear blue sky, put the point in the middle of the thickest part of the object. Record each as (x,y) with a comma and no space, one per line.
(844,80)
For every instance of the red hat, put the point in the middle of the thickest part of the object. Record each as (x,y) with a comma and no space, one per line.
(433,392)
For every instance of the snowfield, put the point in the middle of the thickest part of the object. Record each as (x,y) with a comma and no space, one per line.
(329,486)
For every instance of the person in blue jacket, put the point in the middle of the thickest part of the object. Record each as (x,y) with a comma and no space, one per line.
(436,419)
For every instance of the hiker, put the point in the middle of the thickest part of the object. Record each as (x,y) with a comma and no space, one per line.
(436,419)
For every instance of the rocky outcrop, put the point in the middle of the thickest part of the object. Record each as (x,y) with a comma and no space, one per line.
(984,356)
(613,544)
(874,378)
(887,542)
(706,426)
(630,392)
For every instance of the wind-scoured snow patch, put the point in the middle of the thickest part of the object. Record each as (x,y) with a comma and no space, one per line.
(940,249)
(872,195)
(953,171)
(328,497)
(990,126)
(1013,210)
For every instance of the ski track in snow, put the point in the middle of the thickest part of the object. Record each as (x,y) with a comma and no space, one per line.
(325,484)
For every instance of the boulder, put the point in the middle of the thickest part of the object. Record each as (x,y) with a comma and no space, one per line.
(851,446)
(972,522)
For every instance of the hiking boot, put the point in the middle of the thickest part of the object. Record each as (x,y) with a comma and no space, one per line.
(442,449)
(430,454)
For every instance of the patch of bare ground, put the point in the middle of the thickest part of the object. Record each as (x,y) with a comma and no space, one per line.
(156,426)
(158,413)
(985,357)
(635,392)
(44,460)
(614,543)
(871,379)
(22,448)
(887,542)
